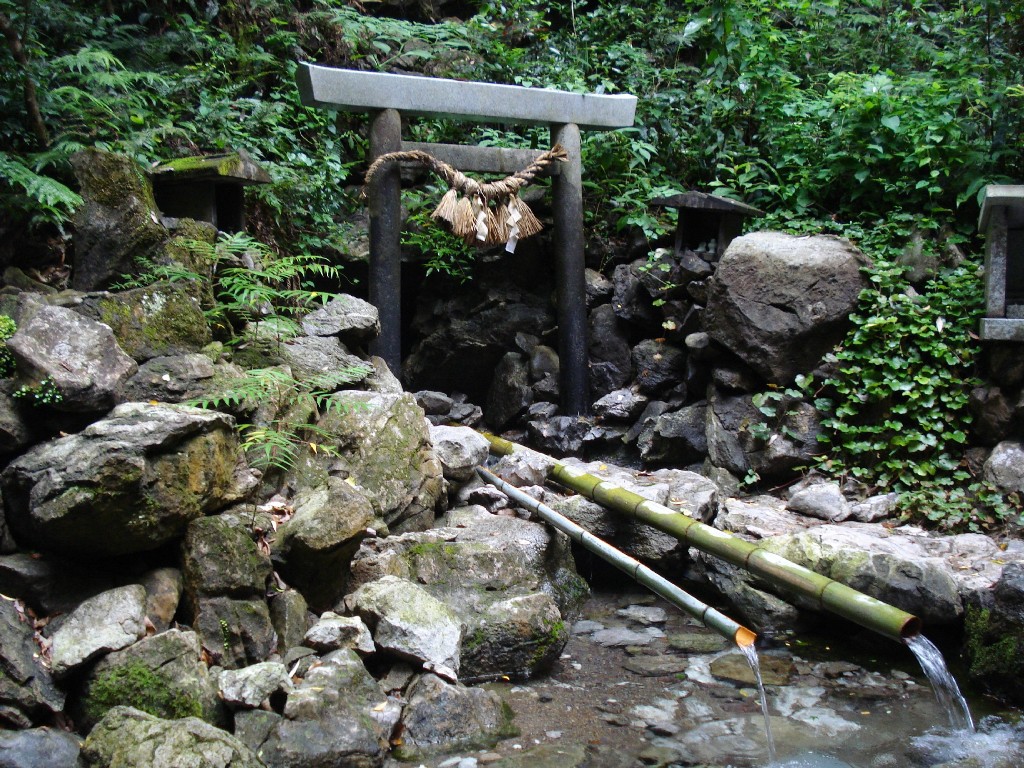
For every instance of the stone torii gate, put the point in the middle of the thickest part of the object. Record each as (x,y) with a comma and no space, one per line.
(389,96)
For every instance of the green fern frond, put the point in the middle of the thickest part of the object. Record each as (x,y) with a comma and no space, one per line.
(48,199)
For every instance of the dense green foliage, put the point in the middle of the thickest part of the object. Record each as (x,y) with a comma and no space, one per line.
(7,362)
(876,120)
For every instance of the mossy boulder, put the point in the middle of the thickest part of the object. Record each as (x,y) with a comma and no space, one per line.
(128,483)
(315,546)
(129,737)
(994,638)
(118,224)
(220,557)
(160,319)
(511,582)
(162,675)
(383,445)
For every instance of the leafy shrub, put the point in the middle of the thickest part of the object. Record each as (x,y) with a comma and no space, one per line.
(7,362)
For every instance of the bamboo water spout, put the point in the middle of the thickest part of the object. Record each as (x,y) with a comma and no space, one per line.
(824,592)
(705,614)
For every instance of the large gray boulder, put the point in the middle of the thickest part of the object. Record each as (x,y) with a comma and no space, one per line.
(406,620)
(445,716)
(353,320)
(118,224)
(129,737)
(382,444)
(310,357)
(79,356)
(162,674)
(108,622)
(128,483)
(459,450)
(27,692)
(338,715)
(780,302)
(314,547)
(158,320)
(511,583)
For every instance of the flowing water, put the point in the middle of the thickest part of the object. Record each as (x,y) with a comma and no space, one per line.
(750,652)
(946,690)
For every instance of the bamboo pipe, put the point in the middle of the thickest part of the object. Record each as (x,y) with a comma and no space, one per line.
(823,592)
(705,614)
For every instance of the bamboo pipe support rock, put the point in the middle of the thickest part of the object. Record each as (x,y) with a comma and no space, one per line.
(823,592)
(705,614)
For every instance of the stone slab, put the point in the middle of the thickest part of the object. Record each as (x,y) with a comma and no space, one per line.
(1008,195)
(349,90)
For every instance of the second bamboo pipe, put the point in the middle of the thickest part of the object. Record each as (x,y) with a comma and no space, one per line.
(825,593)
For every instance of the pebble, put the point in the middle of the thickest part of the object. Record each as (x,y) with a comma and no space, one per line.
(486,758)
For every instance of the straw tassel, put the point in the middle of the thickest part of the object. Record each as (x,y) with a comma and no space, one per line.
(528,223)
(446,209)
(464,221)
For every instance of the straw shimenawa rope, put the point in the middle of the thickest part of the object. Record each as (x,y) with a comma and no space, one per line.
(482,212)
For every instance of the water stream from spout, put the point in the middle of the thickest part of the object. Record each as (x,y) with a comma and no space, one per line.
(946,690)
(750,653)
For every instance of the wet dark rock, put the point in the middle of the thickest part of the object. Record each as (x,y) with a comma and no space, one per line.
(466,337)
(443,716)
(39,748)
(559,435)
(547,389)
(659,366)
(994,642)
(598,288)
(620,405)
(50,584)
(434,403)
(314,547)
(234,632)
(630,301)
(735,377)
(611,365)
(118,223)
(544,363)
(677,437)
(780,302)
(510,391)
(656,666)
(27,692)
(775,670)
(995,415)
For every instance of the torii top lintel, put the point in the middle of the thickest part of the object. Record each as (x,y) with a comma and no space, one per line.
(351,90)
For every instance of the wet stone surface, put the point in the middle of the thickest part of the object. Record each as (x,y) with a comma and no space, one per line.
(641,684)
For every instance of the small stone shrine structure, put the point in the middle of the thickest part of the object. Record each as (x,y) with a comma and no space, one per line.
(1002,221)
(208,188)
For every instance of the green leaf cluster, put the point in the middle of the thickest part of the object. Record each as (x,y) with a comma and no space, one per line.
(7,361)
